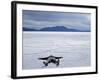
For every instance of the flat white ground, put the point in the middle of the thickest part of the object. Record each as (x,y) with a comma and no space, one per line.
(74,47)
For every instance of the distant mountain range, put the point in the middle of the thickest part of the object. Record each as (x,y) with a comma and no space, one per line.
(28,29)
(56,28)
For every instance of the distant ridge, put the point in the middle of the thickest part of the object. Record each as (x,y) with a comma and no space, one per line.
(56,28)
(28,29)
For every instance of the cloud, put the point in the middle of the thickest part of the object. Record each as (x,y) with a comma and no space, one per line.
(41,19)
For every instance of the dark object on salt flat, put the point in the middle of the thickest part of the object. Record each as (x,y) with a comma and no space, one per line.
(51,59)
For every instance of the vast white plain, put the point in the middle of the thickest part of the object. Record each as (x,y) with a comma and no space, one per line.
(74,47)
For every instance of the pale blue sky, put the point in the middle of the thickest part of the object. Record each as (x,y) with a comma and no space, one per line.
(41,19)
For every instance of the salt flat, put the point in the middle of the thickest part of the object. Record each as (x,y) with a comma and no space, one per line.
(74,47)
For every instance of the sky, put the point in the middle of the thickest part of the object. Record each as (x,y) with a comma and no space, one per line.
(42,19)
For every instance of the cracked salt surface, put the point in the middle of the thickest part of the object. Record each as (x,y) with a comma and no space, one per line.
(74,47)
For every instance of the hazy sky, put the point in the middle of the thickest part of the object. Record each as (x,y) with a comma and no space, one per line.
(41,19)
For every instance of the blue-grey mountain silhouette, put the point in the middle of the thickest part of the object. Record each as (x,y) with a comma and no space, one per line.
(28,29)
(55,28)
